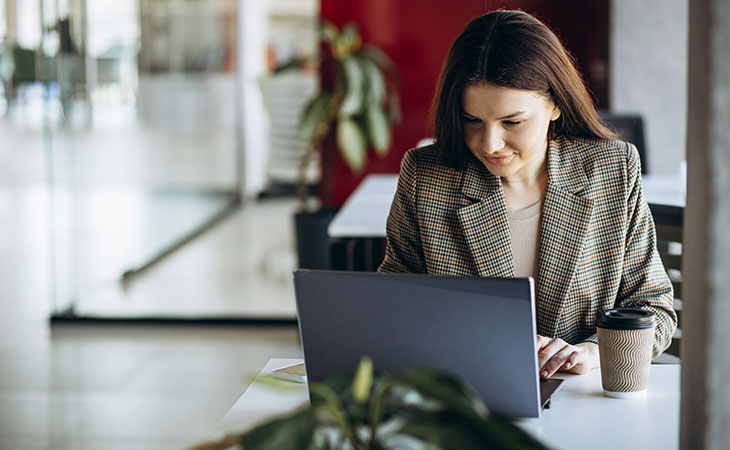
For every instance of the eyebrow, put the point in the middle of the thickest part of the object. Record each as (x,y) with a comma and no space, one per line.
(508,116)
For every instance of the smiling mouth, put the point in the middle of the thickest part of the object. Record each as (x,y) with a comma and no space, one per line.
(499,160)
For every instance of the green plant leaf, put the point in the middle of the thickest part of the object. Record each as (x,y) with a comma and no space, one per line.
(509,435)
(315,118)
(363,380)
(333,405)
(289,433)
(450,430)
(382,60)
(341,384)
(351,144)
(446,415)
(354,81)
(349,40)
(447,430)
(380,392)
(328,31)
(445,388)
(378,128)
(374,80)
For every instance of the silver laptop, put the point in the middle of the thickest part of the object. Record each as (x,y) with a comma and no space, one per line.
(481,329)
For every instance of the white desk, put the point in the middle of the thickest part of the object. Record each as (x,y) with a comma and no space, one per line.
(579,416)
(580,413)
(260,402)
(667,190)
(366,210)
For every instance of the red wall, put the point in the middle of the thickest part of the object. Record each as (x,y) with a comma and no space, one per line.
(417,34)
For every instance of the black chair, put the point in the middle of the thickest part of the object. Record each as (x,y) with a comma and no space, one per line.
(669,221)
(630,128)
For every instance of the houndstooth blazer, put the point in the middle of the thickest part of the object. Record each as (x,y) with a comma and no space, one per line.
(597,248)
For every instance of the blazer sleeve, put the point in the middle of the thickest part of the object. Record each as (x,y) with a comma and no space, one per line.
(403,252)
(644,281)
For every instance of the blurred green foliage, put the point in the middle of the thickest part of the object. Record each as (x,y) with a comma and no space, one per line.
(361,105)
(417,409)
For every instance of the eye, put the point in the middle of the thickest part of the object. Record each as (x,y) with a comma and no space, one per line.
(468,119)
(512,123)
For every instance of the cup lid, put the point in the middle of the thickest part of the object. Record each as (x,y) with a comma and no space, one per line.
(625,319)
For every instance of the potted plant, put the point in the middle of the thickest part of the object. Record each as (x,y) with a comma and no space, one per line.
(355,110)
(419,408)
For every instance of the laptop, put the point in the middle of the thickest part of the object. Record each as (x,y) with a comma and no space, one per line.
(480,329)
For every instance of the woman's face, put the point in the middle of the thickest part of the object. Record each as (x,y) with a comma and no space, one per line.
(506,129)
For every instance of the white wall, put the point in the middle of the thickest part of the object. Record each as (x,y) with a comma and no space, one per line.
(648,64)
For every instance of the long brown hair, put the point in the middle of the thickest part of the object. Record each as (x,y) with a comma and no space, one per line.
(515,50)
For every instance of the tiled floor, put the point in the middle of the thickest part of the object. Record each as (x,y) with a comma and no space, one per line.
(104,386)
(129,387)
(122,386)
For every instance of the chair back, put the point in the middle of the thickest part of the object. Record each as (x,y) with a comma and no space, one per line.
(630,128)
(669,221)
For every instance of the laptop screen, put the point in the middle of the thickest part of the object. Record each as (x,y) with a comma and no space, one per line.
(481,329)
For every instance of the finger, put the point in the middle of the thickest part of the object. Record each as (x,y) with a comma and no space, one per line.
(552,345)
(547,352)
(542,341)
(572,361)
(556,362)
(578,363)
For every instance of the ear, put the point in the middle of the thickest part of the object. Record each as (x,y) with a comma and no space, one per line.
(555,113)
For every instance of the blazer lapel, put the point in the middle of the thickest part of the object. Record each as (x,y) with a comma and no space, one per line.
(485,224)
(565,219)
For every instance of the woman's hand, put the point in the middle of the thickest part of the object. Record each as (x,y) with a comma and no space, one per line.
(555,354)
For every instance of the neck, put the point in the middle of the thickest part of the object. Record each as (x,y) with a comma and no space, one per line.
(527,182)
(522,192)
(531,178)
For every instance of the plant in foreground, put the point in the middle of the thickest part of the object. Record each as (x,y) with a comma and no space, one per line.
(417,409)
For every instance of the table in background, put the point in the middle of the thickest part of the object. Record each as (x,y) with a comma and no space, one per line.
(666,195)
(357,232)
(580,416)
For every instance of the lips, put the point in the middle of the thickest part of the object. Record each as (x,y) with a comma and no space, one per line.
(499,159)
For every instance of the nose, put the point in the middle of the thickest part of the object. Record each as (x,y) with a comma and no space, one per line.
(492,140)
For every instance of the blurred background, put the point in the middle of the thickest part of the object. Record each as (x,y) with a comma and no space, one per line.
(149,159)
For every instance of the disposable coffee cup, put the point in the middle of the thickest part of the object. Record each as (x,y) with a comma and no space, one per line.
(625,342)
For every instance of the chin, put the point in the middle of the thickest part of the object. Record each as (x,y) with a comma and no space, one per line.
(501,171)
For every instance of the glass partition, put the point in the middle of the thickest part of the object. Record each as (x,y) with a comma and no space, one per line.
(133,116)
(133,105)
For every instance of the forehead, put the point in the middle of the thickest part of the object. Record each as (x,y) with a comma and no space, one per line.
(486,99)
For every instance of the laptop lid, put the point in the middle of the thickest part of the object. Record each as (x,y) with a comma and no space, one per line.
(481,329)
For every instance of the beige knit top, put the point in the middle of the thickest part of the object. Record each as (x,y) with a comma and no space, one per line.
(524,229)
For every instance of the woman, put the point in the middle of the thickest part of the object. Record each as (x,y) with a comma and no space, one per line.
(524,180)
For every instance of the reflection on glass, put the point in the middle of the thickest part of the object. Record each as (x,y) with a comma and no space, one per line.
(133,104)
(133,114)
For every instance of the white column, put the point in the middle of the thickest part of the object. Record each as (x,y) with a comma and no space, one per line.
(11,17)
(705,408)
(252,31)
